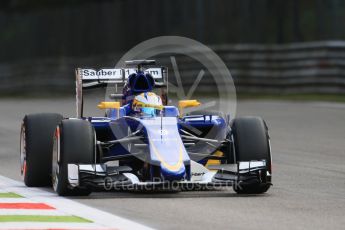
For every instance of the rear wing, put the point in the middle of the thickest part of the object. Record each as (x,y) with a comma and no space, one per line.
(91,78)
(88,78)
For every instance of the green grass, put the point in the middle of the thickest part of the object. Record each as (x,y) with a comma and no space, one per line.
(36,218)
(10,195)
(293,97)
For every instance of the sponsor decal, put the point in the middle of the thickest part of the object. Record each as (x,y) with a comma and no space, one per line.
(198,173)
(92,74)
(103,73)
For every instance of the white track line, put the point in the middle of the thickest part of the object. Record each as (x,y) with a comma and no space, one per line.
(100,218)
(16,200)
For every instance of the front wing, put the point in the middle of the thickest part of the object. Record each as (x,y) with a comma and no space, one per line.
(104,177)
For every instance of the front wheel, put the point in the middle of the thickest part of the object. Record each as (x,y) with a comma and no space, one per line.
(74,143)
(251,143)
(36,144)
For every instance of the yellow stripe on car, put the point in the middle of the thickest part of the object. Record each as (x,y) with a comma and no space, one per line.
(214,162)
(174,167)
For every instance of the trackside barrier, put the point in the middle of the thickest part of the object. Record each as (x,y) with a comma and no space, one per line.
(313,67)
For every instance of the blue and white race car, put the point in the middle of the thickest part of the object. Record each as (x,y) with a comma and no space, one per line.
(141,142)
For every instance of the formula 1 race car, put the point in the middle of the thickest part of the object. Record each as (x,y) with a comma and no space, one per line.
(141,142)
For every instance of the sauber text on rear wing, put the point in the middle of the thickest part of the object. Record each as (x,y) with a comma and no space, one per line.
(88,78)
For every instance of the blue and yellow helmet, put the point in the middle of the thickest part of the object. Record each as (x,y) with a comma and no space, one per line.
(147,104)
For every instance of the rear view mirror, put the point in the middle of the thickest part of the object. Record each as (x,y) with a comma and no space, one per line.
(109,105)
(187,103)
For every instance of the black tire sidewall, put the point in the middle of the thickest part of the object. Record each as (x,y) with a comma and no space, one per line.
(76,145)
(251,142)
(39,131)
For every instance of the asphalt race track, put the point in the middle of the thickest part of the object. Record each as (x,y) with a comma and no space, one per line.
(308,145)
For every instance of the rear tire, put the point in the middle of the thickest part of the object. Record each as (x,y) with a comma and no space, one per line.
(74,142)
(251,142)
(36,144)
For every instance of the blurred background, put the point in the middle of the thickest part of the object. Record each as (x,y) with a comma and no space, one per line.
(282,48)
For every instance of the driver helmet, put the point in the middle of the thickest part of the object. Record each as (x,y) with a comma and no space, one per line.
(147,104)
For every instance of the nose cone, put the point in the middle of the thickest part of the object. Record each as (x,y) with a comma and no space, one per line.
(173,175)
(166,147)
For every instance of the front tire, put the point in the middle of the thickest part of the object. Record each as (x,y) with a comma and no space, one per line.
(251,142)
(36,144)
(74,142)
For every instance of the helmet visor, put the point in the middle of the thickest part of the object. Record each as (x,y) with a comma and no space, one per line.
(148,111)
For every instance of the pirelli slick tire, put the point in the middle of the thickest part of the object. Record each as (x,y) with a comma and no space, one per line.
(36,145)
(251,142)
(74,142)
